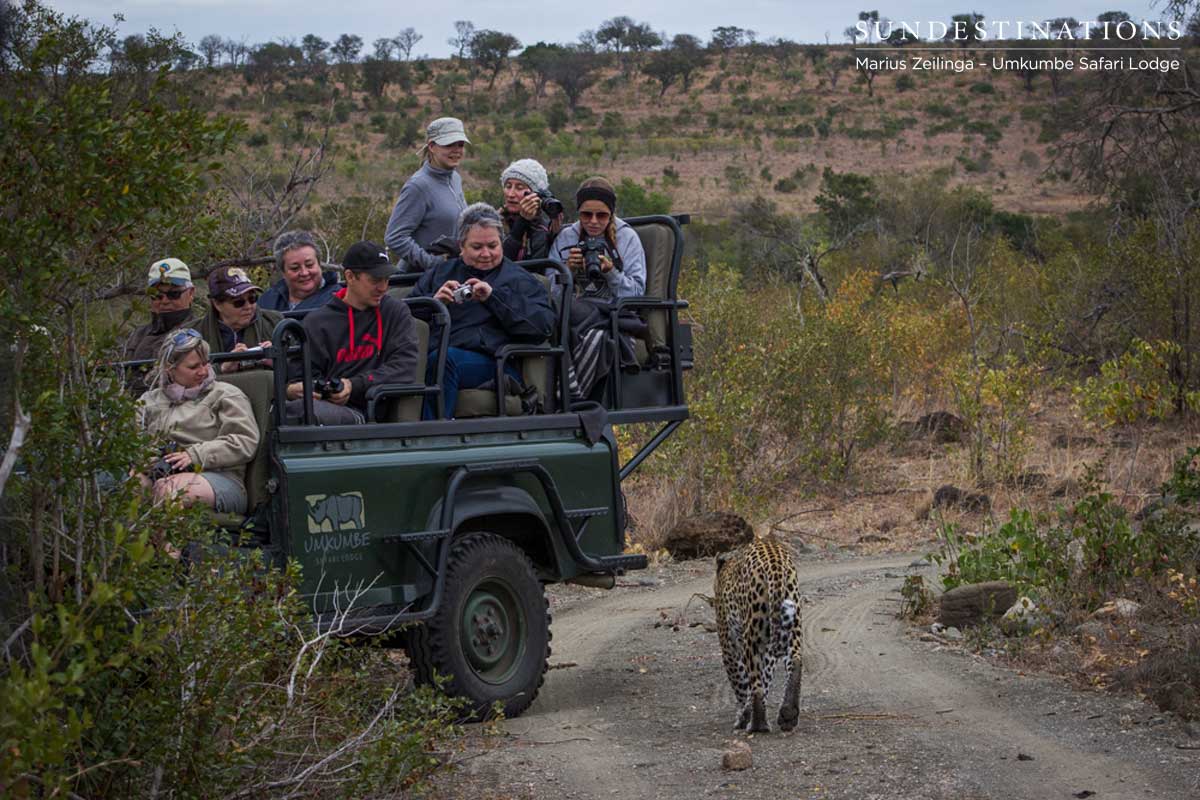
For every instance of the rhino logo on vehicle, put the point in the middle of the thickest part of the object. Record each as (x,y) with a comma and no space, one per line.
(330,513)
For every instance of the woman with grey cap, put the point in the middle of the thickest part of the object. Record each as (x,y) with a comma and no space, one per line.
(529,228)
(431,200)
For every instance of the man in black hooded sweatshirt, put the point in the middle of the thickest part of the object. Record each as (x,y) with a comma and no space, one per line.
(360,338)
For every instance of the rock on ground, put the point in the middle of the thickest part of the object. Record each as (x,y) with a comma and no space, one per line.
(970,603)
(737,757)
(705,535)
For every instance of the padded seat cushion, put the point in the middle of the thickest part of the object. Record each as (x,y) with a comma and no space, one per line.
(482,403)
(658,240)
(259,385)
(408,409)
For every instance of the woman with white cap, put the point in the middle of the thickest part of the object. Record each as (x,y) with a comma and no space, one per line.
(529,229)
(431,200)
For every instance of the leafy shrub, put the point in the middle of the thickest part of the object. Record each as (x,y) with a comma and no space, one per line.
(215,683)
(258,139)
(633,200)
(905,83)
(994,402)
(1136,387)
(341,111)
(1090,554)
(752,428)
(982,87)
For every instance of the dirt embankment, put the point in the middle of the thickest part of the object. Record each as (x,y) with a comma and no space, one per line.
(639,707)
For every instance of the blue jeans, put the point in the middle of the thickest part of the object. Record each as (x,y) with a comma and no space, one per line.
(465,369)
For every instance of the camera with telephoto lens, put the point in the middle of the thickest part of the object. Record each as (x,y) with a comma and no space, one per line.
(550,204)
(463,293)
(162,468)
(326,387)
(593,247)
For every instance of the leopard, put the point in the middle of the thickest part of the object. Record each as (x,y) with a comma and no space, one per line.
(757,602)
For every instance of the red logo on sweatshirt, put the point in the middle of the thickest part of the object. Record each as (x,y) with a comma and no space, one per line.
(356,353)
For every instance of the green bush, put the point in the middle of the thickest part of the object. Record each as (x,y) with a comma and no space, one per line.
(206,682)
(1136,387)
(982,87)
(633,200)
(905,83)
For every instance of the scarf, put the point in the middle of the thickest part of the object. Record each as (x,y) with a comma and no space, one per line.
(177,394)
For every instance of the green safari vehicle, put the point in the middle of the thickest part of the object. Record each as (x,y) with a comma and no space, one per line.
(443,533)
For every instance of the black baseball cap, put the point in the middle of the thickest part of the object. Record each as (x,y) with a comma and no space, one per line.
(368,258)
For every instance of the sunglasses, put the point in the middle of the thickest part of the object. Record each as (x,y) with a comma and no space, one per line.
(599,216)
(240,302)
(169,294)
(183,336)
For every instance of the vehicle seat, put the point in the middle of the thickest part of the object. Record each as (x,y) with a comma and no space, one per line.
(535,371)
(259,386)
(408,409)
(401,292)
(658,240)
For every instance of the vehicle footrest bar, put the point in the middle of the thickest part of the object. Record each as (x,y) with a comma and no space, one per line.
(586,513)
(416,536)
(622,562)
(502,467)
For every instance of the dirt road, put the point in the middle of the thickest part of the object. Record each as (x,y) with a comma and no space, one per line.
(641,709)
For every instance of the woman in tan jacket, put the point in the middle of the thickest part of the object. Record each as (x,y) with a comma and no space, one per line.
(208,426)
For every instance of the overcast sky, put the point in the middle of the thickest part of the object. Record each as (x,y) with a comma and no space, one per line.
(545,20)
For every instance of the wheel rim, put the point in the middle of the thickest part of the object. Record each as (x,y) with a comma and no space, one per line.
(493,631)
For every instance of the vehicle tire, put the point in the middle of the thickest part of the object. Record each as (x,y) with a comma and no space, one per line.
(490,637)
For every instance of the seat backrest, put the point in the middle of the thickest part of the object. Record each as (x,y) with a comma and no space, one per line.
(658,240)
(408,409)
(537,371)
(401,292)
(259,386)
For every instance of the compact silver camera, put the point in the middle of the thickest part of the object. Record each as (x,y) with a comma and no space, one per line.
(463,293)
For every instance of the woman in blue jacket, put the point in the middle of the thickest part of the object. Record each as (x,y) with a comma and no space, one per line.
(505,304)
(304,285)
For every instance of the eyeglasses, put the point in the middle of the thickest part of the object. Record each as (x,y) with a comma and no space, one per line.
(169,294)
(599,216)
(240,302)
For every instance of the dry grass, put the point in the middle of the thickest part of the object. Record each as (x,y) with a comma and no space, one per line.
(880,508)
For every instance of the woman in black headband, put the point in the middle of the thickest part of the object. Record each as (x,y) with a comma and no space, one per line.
(602,238)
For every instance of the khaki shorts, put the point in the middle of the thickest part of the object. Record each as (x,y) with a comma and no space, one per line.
(229,496)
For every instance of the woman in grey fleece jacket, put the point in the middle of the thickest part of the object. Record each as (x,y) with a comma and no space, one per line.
(431,199)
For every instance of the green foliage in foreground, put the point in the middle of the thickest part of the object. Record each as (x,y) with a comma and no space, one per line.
(205,682)
(125,673)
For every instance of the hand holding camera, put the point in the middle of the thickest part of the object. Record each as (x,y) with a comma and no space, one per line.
(326,388)
(594,249)
(453,292)
(171,459)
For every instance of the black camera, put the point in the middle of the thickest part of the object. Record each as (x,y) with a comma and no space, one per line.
(326,387)
(593,247)
(162,468)
(550,204)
